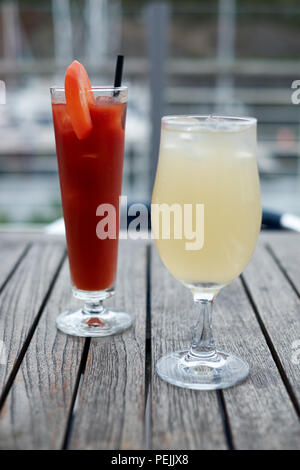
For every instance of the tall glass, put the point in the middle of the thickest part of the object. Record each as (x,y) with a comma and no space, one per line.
(206,216)
(90,172)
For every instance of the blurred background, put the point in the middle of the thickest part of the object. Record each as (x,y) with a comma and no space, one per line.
(235,57)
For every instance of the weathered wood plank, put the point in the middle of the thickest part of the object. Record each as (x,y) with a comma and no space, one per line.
(286,249)
(36,410)
(181,419)
(11,250)
(261,414)
(22,297)
(110,412)
(279,308)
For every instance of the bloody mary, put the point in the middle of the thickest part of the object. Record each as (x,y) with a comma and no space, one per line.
(89,129)
(90,172)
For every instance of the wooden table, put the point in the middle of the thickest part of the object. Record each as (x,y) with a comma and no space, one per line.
(64,392)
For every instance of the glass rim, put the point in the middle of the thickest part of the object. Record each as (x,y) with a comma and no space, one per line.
(199,122)
(94,88)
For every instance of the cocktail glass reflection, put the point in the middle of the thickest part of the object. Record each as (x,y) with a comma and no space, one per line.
(206,199)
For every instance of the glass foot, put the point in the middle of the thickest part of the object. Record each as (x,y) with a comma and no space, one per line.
(221,370)
(109,322)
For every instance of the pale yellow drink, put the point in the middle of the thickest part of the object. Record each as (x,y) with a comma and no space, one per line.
(210,162)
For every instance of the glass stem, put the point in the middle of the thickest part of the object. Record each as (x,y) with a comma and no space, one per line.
(203,345)
(93,308)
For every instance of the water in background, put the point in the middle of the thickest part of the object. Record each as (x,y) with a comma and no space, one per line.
(223,57)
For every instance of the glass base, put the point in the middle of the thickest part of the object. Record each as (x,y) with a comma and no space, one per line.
(108,322)
(217,371)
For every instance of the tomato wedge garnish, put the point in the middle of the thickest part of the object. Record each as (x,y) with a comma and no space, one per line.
(78,98)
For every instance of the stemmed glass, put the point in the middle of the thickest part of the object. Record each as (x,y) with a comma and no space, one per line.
(90,173)
(206,217)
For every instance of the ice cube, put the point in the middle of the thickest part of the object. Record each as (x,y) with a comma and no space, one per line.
(105,100)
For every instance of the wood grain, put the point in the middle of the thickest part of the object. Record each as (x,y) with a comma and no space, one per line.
(279,309)
(22,297)
(11,253)
(181,419)
(110,412)
(260,412)
(286,251)
(36,410)
(257,318)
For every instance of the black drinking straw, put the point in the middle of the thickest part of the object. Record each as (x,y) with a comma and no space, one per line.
(118,73)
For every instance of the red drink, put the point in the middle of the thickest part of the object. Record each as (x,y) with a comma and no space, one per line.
(90,172)
(89,132)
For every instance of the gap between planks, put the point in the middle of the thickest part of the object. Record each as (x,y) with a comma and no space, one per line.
(148,353)
(76,393)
